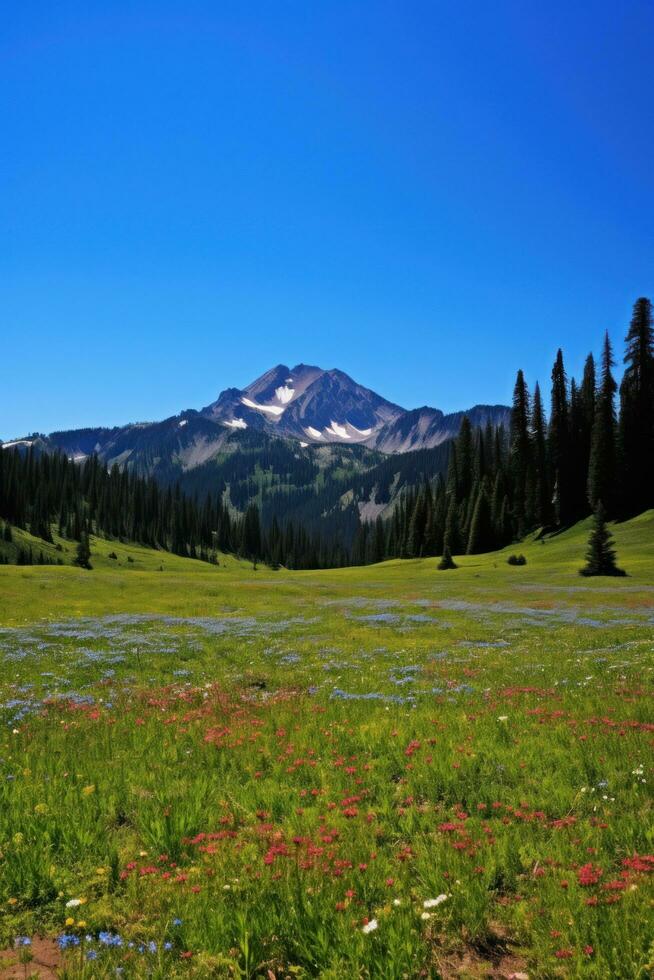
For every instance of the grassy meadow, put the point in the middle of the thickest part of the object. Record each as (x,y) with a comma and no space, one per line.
(381,772)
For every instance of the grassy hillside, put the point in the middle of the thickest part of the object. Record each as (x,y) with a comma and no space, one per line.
(387,772)
(162,582)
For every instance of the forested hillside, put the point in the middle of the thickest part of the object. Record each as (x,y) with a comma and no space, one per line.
(543,474)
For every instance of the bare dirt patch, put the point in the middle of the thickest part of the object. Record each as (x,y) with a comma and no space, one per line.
(496,959)
(45,964)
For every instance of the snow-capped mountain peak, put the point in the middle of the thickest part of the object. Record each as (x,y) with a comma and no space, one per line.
(319,406)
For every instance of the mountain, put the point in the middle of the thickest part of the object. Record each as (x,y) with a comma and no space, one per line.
(308,404)
(305,443)
(316,406)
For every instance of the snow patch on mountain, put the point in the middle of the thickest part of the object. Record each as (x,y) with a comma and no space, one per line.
(334,429)
(284,394)
(272,409)
(236,423)
(310,431)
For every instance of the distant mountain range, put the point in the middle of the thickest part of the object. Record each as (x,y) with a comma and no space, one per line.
(307,445)
(305,404)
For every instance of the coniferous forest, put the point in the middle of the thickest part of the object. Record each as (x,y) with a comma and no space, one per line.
(593,445)
(596,447)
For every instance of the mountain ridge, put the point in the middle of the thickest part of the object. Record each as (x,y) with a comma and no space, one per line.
(306,404)
(319,406)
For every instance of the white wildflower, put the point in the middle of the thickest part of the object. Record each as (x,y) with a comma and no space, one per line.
(370,926)
(431,903)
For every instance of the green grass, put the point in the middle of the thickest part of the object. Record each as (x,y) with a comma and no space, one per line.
(354,743)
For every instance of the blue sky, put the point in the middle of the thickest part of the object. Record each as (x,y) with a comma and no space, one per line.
(426,195)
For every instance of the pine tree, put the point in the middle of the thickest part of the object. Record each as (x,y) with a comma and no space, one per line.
(600,557)
(520,459)
(464,459)
(578,466)
(542,491)
(602,470)
(417,525)
(637,412)
(452,533)
(559,442)
(481,538)
(588,393)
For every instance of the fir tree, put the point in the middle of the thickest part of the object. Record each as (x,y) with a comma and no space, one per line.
(542,491)
(602,472)
(637,412)
(588,394)
(520,453)
(464,459)
(481,537)
(600,557)
(452,533)
(559,442)
(578,464)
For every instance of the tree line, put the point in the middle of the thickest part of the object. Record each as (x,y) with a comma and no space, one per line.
(597,446)
(44,492)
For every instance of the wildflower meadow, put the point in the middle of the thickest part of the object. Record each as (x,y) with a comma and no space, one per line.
(386,772)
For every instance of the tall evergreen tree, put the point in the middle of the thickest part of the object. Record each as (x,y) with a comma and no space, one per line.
(637,412)
(559,442)
(542,490)
(588,395)
(481,537)
(602,470)
(578,464)
(520,458)
(452,533)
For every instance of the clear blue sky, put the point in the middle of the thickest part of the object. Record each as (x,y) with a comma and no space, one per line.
(427,195)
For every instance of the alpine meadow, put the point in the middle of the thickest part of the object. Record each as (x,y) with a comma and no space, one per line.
(344,671)
(227,767)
